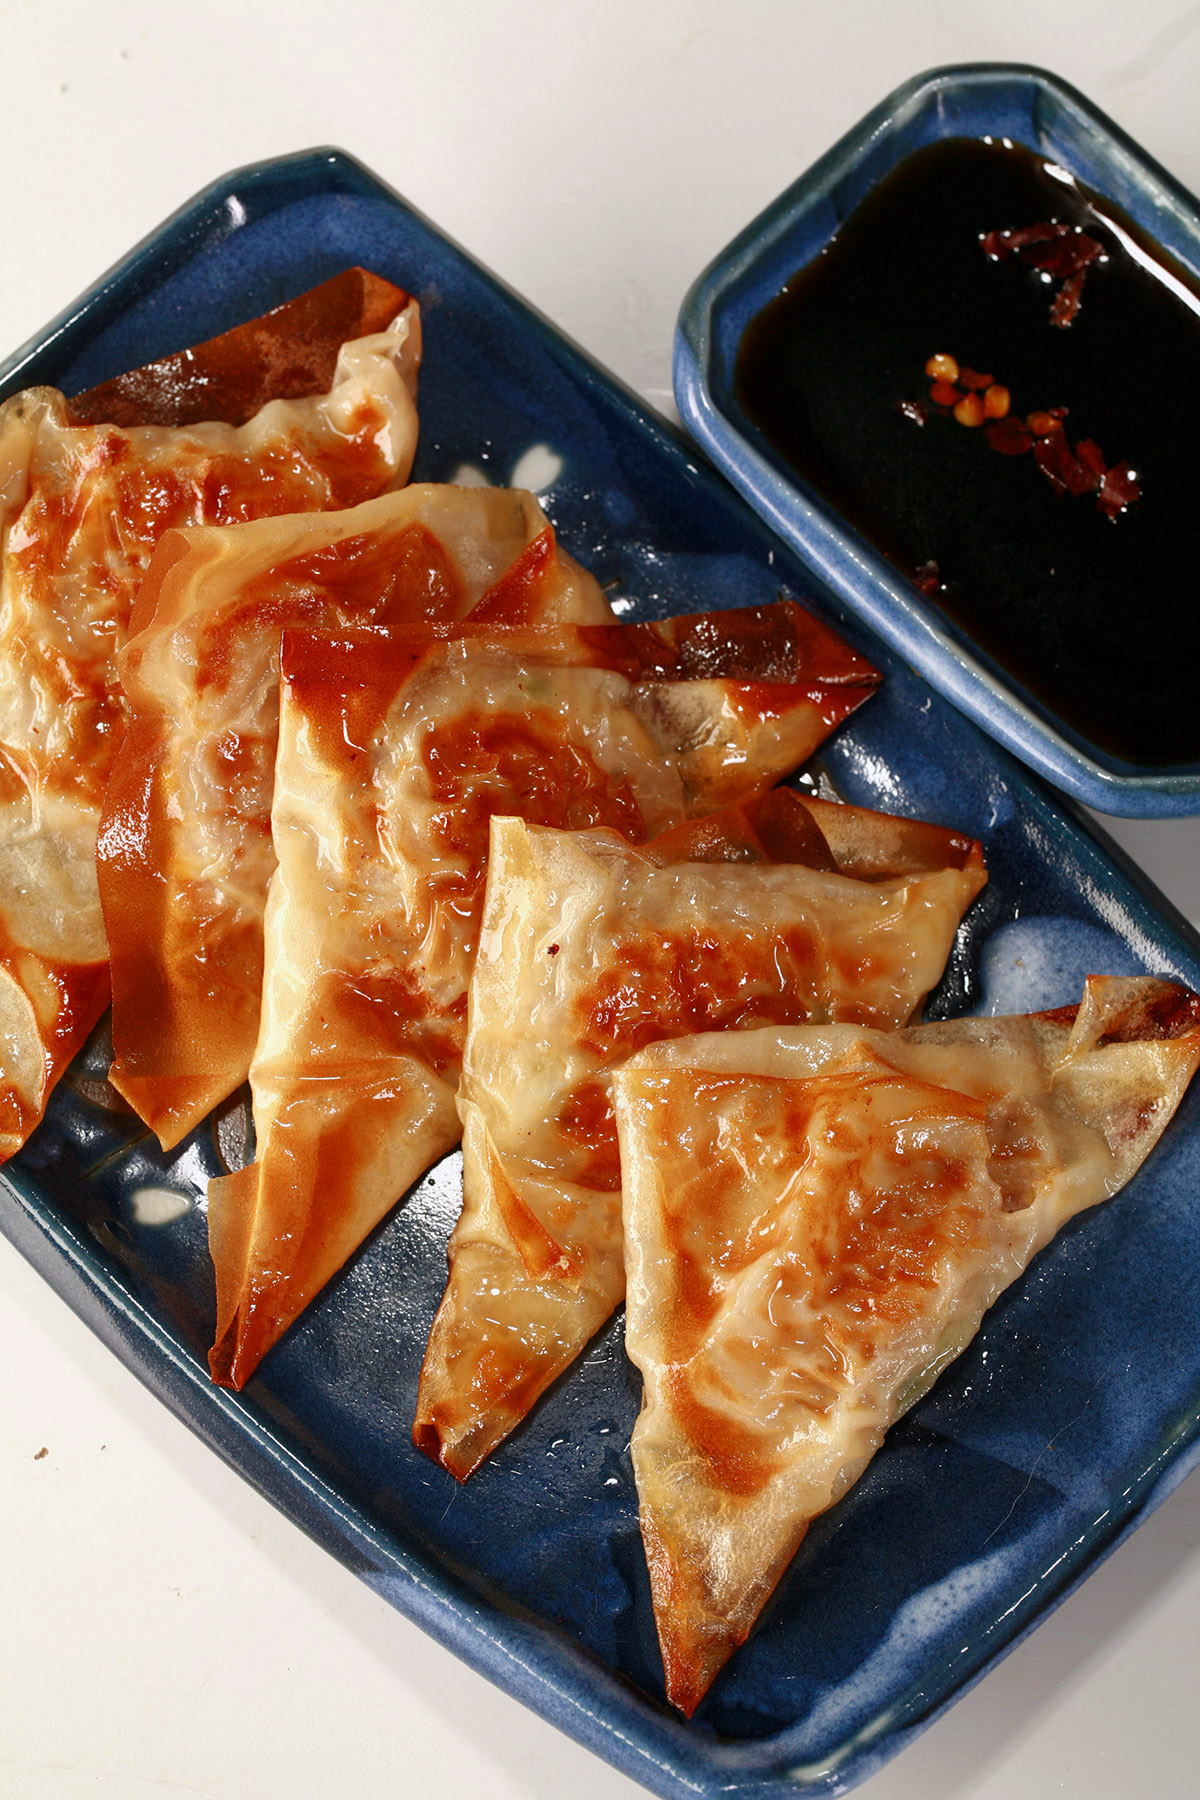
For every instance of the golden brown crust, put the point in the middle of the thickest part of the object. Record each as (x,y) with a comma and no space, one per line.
(410,742)
(816,1221)
(288,353)
(590,950)
(185,853)
(83,500)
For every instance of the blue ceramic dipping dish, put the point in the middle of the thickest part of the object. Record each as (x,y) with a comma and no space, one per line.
(1029,108)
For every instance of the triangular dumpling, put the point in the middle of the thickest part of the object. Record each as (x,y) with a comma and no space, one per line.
(87,488)
(789,910)
(394,753)
(185,851)
(816,1221)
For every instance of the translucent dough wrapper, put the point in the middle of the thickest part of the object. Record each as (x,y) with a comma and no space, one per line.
(393,756)
(788,910)
(87,488)
(185,851)
(816,1221)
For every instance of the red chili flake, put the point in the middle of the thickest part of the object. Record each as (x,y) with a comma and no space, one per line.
(1079,470)
(1081,479)
(1090,454)
(1066,302)
(1062,251)
(1063,469)
(1119,489)
(1008,436)
(997,244)
(929,579)
(1047,454)
(1070,254)
(1055,248)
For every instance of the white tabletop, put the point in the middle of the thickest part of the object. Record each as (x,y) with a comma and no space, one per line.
(165,1629)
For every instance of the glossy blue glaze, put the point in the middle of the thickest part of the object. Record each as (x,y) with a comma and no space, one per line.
(975,100)
(1076,1408)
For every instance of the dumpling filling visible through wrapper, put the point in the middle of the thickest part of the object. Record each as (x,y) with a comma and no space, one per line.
(791,909)
(394,754)
(280,414)
(185,851)
(816,1221)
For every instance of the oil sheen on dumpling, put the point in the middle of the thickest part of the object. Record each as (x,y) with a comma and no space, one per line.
(786,911)
(83,501)
(394,754)
(185,851)
(816,1221)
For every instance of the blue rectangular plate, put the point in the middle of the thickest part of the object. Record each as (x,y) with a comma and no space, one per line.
(972,100)
(962,1534)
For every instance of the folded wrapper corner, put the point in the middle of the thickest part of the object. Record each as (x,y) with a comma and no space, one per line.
(393,755)
(816,1221)
(787,910)
(310,406)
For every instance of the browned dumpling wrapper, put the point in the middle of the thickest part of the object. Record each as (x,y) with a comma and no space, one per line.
(87,488)
(185,852)
(816,1221)
(789,910)
(393,755)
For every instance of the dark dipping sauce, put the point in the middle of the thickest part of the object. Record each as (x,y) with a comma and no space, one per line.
(1097,617)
